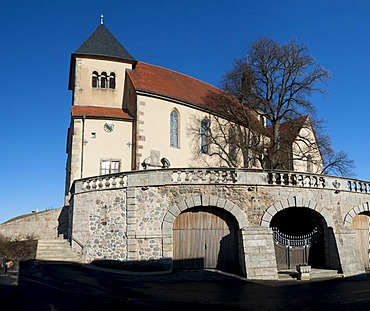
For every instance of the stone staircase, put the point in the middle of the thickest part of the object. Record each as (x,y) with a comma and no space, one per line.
(57,249)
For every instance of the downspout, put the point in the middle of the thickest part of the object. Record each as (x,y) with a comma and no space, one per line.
(82,145)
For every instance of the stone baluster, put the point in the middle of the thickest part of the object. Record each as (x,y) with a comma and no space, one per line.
(211,177)
(187,176)
(204,176)
(195,177)
(114,183)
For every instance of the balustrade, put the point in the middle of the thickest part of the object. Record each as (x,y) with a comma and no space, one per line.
(204,176)
(358,186)
(105,182)
(223,176)
(294,179)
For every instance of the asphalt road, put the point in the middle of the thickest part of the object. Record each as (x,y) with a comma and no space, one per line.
(66,286)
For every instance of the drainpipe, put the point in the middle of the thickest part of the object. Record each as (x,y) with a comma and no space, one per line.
(82,145)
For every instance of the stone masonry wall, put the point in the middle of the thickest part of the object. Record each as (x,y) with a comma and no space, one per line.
(99,224)
(134,223)
(39,225)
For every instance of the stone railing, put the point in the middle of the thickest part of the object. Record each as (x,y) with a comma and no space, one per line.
(162,177)
(358,186)
(104,182)
(205,176)
(296,179)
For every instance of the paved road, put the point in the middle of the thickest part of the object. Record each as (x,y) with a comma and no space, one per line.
(66,286)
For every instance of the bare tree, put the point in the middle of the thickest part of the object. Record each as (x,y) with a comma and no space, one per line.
(233,134)
(273,83)
(277,81)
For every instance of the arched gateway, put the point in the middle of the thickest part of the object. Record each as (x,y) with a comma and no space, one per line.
(206,234)
(301,234)
(358,218)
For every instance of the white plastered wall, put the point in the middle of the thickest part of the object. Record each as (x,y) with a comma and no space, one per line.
(154,133)
(102,145)
(86,95)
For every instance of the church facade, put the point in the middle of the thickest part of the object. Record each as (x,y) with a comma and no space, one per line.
(129,115)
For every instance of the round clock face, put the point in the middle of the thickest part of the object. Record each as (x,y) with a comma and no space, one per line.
(108,127)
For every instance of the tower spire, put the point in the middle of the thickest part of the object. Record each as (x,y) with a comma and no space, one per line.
(101,19)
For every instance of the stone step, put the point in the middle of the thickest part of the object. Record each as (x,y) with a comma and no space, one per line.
(292,274)
(56,250)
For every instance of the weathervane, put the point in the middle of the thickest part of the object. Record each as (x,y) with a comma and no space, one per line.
(101,19)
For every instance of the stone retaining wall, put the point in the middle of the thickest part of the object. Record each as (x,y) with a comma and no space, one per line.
(39,225)
(130,217)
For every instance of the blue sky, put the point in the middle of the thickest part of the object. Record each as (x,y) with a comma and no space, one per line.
(200,38)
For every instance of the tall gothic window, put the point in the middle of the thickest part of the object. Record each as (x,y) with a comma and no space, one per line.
(204,136)
(94,79)
(174,129)
(112,80)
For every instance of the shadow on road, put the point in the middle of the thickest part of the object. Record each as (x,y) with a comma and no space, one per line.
(43,285)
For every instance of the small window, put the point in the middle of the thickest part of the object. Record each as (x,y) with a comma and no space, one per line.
(112,80)
(109,167)
(94,79)
(103,80)
(204,136)
(174,129)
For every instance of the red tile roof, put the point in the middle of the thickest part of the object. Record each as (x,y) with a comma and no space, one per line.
(161,81)
(291,129)
(171,84)
(90,111)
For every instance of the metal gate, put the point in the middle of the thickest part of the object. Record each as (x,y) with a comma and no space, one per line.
(293,250)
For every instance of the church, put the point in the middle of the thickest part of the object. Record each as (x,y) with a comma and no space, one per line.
(129,115)
(165,169)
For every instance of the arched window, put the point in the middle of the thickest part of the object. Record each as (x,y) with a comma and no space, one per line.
(112,80)
(94,79)
(204,136)
(103,80)
(174,129)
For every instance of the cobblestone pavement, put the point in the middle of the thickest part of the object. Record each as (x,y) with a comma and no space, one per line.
(55,286)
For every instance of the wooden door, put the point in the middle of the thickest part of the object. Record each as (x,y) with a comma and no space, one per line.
(205,238)
(361,225)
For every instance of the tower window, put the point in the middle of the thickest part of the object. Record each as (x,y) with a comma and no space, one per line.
(112,80)
(94,80)
(103,80)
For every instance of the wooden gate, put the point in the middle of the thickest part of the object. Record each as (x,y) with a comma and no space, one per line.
(205,238)
(361,225)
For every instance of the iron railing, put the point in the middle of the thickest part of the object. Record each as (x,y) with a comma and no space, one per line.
(295,241)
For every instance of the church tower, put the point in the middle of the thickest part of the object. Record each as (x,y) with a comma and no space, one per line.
(100,132)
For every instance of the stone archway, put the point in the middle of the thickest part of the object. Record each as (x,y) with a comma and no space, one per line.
(358,218)
(303,232)
(203,204)
(295,201)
